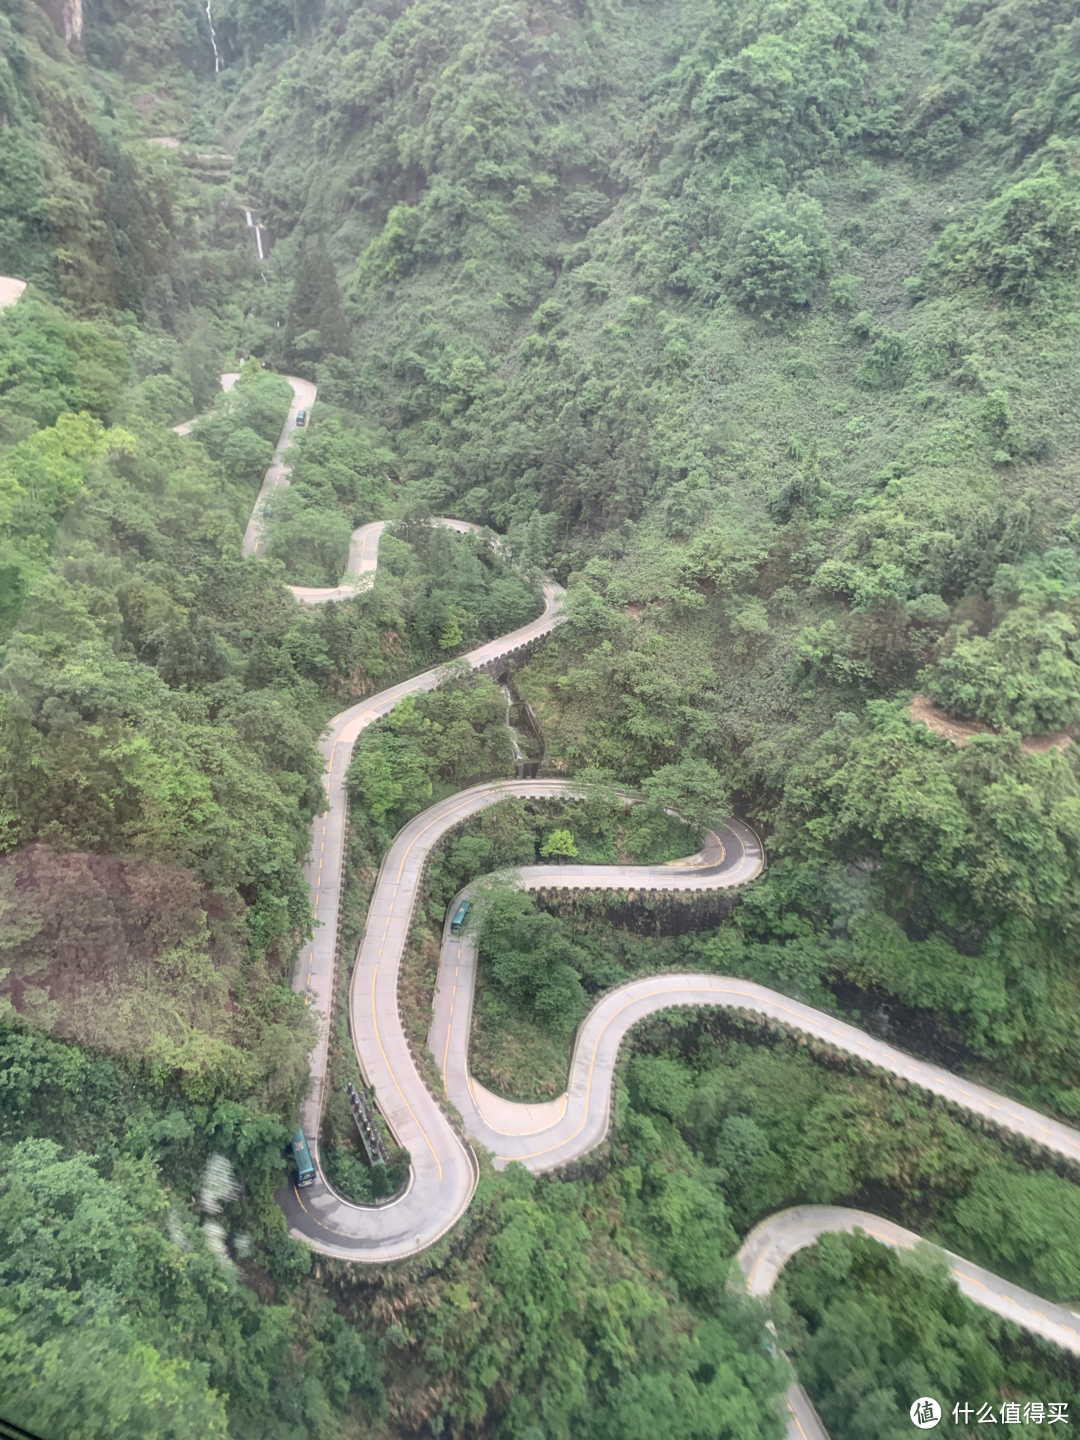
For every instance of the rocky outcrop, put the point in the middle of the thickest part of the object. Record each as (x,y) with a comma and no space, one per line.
(67,16)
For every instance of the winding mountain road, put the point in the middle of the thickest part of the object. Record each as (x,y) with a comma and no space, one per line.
(279,474)
(768,1248)
(363,562)
(444,1168)
(228,380)
(493,1121)
(545,1136)
(10,290)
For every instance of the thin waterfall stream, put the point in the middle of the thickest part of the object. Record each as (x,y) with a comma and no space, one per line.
(253,224)
(525,736)
(519,753)
(213,39)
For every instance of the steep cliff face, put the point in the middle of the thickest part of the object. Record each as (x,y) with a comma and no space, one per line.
(67,16)
(83,214)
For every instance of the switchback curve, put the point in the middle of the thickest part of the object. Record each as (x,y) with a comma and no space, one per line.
(511,1134)
(770,1245)
(10,290)
(541,1137)
(362,563)
(444,1168)
(443,1172)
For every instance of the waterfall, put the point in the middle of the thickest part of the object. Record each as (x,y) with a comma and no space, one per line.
(519,753)
(254,225)
(213,41)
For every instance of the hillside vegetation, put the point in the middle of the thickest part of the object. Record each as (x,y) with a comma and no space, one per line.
(755,324)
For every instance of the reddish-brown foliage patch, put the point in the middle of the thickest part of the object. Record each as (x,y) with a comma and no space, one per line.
(962,732)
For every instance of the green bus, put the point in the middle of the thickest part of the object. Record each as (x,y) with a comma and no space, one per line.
(305,1170)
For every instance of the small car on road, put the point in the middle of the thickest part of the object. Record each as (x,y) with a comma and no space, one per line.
(301,417)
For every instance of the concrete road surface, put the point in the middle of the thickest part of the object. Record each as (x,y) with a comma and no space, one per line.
(279,474)
(614,1014)
(228,380)
(768,1248)
(362,563)
(444,1169)
(10,290)
(444,1173)
(543,1137)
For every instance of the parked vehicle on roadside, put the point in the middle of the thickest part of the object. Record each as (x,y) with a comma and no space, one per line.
(459,917)
(305,1170)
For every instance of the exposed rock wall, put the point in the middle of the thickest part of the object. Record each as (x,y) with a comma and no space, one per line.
(67,16)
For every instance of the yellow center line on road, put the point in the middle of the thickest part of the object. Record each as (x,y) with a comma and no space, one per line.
(443,819)
(799,1017)
(393,1076)
(449,1022)
(397,1085)
(798,1422)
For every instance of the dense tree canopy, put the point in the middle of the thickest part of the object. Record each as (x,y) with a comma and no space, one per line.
(754,323)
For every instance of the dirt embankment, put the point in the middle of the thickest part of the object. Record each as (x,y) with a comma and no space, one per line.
(962,732)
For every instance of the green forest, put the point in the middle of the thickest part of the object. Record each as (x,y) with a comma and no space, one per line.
(754,325)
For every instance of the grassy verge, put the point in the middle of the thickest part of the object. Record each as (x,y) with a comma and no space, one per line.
(510,1053)
(340,1148)
(513,1053)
